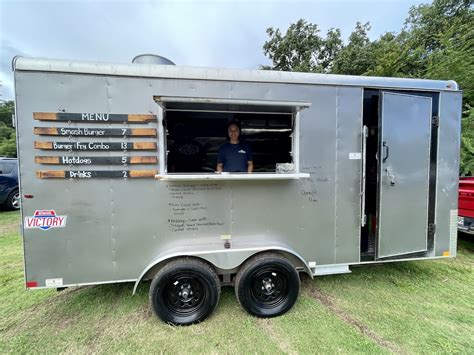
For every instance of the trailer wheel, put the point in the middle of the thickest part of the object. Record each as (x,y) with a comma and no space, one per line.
(267,285)
(185,291)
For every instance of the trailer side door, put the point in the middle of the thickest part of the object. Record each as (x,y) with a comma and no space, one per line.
(404,163)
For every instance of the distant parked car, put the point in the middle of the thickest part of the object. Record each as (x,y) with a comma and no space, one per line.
(9,192)
(466,205)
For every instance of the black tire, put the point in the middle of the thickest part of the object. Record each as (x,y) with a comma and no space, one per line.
(267,285)
(13,201)
(185,291)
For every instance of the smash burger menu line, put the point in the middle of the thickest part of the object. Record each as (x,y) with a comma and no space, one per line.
(93,117)
(94,132)
(89,174)
(95,146)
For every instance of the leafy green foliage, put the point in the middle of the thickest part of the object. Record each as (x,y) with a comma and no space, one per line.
(7,132)
(437,42)
(467,143)
(357,56)
(6,110)
(302,48)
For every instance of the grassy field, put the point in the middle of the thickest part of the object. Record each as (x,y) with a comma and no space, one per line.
(411,307)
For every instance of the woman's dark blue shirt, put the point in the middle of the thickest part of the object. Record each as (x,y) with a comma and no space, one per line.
(234,157)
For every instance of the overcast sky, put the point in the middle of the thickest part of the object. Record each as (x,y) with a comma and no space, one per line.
(200,33)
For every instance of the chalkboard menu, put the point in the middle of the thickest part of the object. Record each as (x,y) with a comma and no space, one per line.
(111,145)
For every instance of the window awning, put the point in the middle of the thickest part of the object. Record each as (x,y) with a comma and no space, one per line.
(177,103)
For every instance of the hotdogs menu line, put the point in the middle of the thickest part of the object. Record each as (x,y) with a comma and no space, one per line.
(78,160)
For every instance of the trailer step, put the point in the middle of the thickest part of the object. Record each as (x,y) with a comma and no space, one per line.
(331,269)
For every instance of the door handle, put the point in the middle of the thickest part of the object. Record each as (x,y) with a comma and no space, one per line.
(386,151)
(365,134)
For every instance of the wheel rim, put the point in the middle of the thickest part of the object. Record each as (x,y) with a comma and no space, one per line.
(184,294)
(270,287)
(16,200)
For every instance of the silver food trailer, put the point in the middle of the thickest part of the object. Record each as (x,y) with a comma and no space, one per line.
(117,175)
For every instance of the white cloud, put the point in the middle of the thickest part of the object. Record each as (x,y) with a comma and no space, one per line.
(202,33)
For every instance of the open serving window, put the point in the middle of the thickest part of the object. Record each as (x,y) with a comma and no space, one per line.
(196,128)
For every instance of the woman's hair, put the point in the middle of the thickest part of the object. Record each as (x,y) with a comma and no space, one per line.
(235,123)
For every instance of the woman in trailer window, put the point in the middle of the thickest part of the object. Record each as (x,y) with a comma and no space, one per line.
(235,156)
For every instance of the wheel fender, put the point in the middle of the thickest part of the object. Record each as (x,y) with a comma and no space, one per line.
(223,259)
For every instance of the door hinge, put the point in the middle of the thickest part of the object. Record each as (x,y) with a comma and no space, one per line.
(431,228)
(435,121)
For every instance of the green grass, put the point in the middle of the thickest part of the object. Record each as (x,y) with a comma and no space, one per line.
(411,307)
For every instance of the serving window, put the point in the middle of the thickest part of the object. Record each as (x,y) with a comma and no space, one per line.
(195,130)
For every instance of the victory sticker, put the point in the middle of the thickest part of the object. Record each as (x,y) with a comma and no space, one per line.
(45,219)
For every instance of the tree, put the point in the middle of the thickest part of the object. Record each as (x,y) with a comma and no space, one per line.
(6,111)
(7,132)
(467,142)
(357,57)
(302,48)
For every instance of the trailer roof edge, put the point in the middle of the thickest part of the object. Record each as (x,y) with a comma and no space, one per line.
(224,74)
